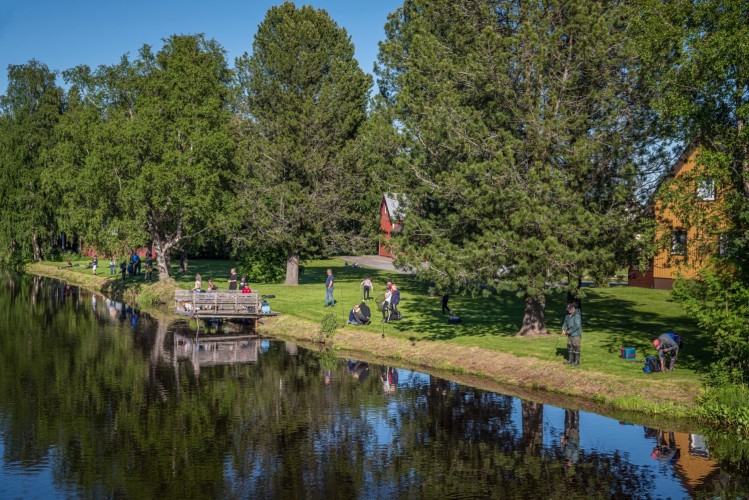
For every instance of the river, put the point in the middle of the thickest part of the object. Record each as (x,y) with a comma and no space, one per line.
(100,401)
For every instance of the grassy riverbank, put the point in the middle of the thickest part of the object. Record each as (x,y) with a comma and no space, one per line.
(484,344)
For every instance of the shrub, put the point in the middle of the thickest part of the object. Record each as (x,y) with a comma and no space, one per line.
(328,328)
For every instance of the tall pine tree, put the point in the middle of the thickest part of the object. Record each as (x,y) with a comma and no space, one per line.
(522,119)
(303,101)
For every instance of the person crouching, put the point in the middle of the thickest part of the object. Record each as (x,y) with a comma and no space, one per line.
(666,345)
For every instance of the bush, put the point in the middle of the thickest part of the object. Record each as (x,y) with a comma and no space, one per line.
(263,265)
(726,406)
(720,303)
(328,328)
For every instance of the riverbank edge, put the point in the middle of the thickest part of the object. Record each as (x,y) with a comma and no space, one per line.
(531,377)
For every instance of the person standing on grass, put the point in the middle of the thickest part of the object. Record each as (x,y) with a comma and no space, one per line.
(233,279)
(395,299)
(136,263)
(366,287)
(112,265)
(445,309)
(95,264)
(572,327)
(329,282)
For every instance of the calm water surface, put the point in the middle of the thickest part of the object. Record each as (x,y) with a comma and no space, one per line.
(99,401)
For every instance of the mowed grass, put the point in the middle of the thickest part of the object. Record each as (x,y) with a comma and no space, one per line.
(612,317)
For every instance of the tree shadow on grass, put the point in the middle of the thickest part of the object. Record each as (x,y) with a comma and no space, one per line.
(630,323)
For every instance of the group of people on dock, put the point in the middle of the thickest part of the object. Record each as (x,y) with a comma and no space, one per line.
(244,287)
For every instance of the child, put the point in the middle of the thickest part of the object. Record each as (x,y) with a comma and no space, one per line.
(366,287)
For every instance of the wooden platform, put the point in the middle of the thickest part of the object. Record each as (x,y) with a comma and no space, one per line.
(223,304)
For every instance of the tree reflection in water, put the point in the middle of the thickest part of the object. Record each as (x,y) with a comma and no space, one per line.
(103,398)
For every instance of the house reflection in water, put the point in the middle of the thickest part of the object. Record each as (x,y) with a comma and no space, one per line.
(204,352)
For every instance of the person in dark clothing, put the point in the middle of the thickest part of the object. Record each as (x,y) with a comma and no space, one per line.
(572,327)
(355,317)
(136,263)
(233,279)
(445,309)
(571,439)
(666,345)
(123,268)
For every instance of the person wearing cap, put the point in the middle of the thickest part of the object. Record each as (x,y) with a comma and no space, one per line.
(572,327)
(666,345)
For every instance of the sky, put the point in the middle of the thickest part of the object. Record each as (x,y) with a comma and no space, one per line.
(65,33)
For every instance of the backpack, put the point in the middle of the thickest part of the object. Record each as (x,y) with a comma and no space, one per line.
(676,338)
(652,365)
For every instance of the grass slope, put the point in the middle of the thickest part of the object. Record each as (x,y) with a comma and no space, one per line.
(484,343)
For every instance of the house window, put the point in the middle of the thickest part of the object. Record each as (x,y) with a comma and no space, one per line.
(726,245)
(679,242)
(706,189)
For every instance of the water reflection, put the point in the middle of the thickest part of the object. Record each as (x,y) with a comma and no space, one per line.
(99,400)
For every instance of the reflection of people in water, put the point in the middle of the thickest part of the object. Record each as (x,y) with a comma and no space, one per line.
(571,439)
(358,370)
(665,450)
(389,379)
(328,376)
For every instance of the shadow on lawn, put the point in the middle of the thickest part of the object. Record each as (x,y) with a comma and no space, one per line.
(628,326)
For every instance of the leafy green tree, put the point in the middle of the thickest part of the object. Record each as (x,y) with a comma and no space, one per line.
(157,156)
(31,109)
(698,63)
(302,97)
(522,120)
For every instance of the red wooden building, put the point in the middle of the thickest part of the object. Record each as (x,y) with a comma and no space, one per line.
(391,218)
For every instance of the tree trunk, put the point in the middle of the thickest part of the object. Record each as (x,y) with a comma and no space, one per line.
(534,322)
(292,269)
(533,427)
(162,259)
(37,248)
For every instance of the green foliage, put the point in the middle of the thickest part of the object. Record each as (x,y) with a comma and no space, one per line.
(31,110)
(303,100)
(720,303)
(145,153)
(263,265)
(328,327)
(697,62)
(519,166)
(727,406)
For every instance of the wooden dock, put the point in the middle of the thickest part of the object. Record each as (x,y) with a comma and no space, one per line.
(221,304)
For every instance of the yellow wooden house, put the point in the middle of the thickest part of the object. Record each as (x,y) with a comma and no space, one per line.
(689,229)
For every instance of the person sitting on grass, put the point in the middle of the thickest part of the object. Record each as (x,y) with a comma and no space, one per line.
(246,288)
(69,264)
(198,284)
(355,317)
(212,286)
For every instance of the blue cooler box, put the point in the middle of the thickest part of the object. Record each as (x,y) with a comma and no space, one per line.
(627,352)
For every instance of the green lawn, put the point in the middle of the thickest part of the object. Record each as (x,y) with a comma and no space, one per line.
(612,317)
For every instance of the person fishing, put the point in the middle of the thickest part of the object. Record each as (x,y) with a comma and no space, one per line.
(667,344)
(572,327)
